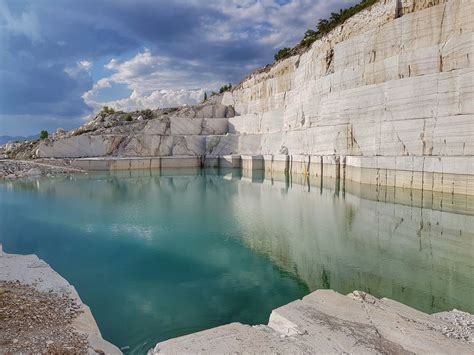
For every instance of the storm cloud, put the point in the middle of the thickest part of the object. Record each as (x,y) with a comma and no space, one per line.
(60,60)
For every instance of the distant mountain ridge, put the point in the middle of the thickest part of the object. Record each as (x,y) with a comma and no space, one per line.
(5,139)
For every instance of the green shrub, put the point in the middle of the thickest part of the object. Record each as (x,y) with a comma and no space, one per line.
(147,114)
(128,117)
(205,97)
(283,53)
(325,26)
(225,88)
(106,110)
(44,134)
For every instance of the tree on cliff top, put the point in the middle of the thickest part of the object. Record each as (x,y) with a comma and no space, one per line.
(225,88)
(44,134)
(323,27)
(282,53)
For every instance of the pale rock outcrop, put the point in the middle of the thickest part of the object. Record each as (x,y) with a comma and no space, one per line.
(399,87)
(389,95)
(393,83)
(171,132)
(326,322)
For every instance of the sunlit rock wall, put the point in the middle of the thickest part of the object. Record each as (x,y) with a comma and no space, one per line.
(395,80)
(158,137)
(387,98)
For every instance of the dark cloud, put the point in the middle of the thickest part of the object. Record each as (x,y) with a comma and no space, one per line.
(43,42)
(36,89)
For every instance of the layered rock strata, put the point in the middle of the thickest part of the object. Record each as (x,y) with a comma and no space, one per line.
(163,136)
(386,98)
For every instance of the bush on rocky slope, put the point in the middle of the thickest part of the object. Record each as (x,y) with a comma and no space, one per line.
(282,53)
(323,27)
(225,88)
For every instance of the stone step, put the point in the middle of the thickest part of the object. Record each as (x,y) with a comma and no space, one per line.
(136,163)
(326,322)
(331,322)
(231,339)
(187,126)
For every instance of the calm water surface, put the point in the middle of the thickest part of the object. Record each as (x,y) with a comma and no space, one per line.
(158,255)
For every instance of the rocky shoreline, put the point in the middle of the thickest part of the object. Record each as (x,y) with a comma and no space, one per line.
(326,322)
(16,169)
(42,313)
(37,322)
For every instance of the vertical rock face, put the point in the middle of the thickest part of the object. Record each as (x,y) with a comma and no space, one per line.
(180,133)
(391,91)
(376,86)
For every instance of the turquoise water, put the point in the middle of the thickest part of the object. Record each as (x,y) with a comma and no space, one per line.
(158,255)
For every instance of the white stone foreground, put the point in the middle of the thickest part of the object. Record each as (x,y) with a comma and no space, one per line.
(326,322)
(32,271)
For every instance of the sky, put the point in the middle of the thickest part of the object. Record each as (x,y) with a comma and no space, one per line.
(62,60)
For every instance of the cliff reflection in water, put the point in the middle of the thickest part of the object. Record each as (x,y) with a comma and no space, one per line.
(412,246)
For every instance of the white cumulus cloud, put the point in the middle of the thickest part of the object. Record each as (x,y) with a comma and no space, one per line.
(157,99)
(157,80)
(153,83)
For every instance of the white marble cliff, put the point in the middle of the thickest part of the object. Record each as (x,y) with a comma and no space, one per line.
(392,89)
(386,98)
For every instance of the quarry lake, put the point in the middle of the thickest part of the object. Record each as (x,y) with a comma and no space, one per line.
(161,254)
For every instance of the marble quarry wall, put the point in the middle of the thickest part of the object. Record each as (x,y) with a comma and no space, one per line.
(157,137)
(392,90)
(385,99)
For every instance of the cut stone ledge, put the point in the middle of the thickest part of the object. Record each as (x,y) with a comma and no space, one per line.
(252,162)
(326,322)
(225,161)
(180,162)
(136,163)
(276,163)
(441,173)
